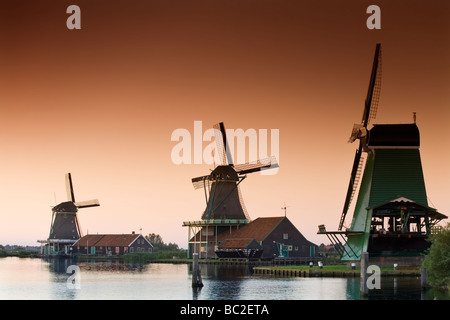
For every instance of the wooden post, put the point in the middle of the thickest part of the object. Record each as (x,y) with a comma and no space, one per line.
(423,279)
(196,275)
(364,262)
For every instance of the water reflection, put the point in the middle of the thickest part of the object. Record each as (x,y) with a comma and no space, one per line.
(405,288)
(48,279)
(236,282)
(60,279)
(67,283)
(352,289)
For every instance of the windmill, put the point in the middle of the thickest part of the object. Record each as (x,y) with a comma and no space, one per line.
(65,227)
(391,215)
(224,205)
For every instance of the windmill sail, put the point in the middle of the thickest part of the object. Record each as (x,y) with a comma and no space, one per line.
(69,188)
(71,195)
(351,187)
(359,131)
(222,144)
(259,165)
(87,203)
(373,93)
(226,158)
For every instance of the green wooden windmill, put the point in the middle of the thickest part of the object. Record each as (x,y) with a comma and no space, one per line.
(391,215)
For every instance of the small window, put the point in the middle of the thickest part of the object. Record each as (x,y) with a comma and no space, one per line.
(285,236)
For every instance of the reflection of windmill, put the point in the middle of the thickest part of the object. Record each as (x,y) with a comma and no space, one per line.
(391,216)
(224,205)
(65,228)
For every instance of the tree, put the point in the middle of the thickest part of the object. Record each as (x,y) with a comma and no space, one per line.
(155,240)
(158,243)
(437,258)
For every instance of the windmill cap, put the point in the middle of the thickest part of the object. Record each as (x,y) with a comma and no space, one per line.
(394,135)
(67,206)
(224,173)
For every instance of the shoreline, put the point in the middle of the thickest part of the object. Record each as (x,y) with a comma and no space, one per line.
(260,267)
(334,272)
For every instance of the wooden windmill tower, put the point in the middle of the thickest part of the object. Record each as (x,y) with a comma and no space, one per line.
(391,215)
(225,208)
(65,228)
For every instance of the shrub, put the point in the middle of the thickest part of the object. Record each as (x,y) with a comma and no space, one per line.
(437,259)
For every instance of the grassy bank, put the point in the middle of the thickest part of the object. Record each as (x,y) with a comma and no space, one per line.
(18,253)
(330,271)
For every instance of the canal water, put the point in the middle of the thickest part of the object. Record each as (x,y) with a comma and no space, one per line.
(53,279)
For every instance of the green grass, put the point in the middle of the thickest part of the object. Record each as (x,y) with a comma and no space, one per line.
(333,268)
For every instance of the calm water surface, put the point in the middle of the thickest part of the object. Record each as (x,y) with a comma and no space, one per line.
(41,279)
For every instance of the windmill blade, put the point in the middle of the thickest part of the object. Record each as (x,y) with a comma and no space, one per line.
(351,186)
(200,179)
(201,182)
(88,203)
(222,144)
(259,165)
(78,226)
(359,131)
(69,188)
(373,93)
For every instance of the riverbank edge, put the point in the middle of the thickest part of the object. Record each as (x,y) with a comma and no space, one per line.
(260,268)
(335,273)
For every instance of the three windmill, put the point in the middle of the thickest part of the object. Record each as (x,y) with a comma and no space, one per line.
(391,215)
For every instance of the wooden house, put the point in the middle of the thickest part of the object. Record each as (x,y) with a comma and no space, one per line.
(262,238)
(111,244)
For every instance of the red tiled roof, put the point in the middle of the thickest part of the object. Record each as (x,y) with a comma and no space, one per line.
(235,243)
(258,229)
(107,240)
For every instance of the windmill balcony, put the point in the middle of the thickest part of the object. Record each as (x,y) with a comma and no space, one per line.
(62,240)
(215,222)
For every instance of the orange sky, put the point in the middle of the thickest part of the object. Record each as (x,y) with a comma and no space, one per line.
(103,101)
